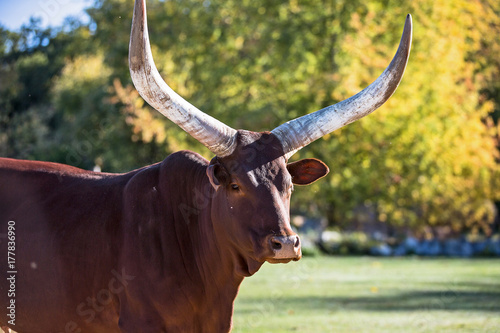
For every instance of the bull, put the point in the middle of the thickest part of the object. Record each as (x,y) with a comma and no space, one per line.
(163,248)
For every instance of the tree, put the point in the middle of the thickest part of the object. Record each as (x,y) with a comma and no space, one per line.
(428,157)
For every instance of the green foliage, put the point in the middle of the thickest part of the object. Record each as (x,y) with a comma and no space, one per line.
(428,157)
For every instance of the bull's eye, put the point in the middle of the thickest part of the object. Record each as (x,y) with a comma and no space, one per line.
(235,187)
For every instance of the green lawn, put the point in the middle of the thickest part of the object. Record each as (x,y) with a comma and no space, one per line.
(363,294)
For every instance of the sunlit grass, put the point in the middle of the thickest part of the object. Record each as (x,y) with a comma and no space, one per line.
(332,294)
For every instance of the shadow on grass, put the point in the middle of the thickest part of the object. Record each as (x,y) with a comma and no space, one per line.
(446,299)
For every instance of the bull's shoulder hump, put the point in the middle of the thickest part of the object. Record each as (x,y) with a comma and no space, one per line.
(185,157)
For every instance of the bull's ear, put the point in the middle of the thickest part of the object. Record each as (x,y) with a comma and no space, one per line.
(307,171)
(217,175)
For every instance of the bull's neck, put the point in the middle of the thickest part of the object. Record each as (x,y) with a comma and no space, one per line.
(215,258)
(205,259)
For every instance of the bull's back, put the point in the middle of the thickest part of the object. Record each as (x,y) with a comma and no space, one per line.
(22,181)
(65,232)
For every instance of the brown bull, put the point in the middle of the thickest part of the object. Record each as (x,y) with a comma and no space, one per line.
(163,248)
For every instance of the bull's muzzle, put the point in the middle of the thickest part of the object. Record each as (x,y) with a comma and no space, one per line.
(285,248)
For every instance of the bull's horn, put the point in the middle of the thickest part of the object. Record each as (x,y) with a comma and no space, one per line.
(215,135)
(299,132)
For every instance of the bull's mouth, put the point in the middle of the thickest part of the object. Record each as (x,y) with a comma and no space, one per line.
(282,260)
(250,265)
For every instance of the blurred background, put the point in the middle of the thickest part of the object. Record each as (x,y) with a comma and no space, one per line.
(418,176)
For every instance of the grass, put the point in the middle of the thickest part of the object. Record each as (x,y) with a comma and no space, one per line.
(363,294)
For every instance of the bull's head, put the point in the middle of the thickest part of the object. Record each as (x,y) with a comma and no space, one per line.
(251,175)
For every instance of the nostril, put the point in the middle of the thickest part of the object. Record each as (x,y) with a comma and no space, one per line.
(276,245)
(297,242)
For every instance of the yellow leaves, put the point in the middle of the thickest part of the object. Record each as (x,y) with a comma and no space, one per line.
(311,63)
(177,78)
(238,43)
(145,123)
(81,70)
(366,163)
(347,173)
(294,6)
(216,34)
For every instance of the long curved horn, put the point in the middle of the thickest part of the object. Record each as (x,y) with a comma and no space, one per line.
(215,135)
(301,131)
